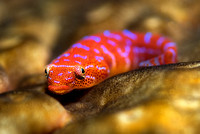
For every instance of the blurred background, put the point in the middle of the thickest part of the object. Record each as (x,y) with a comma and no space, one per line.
(33,32)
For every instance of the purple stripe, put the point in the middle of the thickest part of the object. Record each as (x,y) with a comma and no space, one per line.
(62,66)
(66,59)
(56,61)
(174,54)
(87,76)
(160,41)
(111,42)
(60,74)
(106,33)
(80,56)
(56,81)
(88,66)
(100,68)
(129,34)
(96,51)
(156,60)
(147,37)
(170,44)
(95,38)
(69,78)
(116,36)
(79,45)
(66,55)
(78,62)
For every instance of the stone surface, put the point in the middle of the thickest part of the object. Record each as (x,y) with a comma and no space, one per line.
(4,81)
(30,112)
(161,99)
(25,50)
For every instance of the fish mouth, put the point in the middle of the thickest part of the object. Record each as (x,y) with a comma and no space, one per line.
(60,89)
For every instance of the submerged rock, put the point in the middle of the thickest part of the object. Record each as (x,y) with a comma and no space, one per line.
(4,81)
(30,112)
(162,99)
(24,49)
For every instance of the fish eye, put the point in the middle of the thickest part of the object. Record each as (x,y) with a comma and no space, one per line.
(82,70)
(80,73)
(46,72)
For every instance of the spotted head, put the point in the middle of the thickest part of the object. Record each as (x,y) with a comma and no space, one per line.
(63,78)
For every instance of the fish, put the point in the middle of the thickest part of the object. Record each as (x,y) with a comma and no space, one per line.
(96,57)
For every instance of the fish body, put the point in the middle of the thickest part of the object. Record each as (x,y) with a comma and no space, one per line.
(97,57)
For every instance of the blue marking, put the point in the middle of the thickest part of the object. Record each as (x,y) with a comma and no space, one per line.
(56,81)
(66,55)
(170,44)
(59,57)
(127,49)
(60,74)
(173,53)
(68,78)
(56,61)
(78,62)
(141,64)
(106,33)
(50,78)
(116,36)
(126,53)
(62,66)
(66,60)
(147,37)
(119,51)
(99,58)
(96,51)
(128,42)
(79,45)
(111,42)
(147,63)
(85,37)
(129,34)
(89,66)
(139,49)
(87,76)
(95,38)
(160,41)
(100,68)
(152,51)
(80,56)
(156,60)
(104,49)
(135,50)
(143,50)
